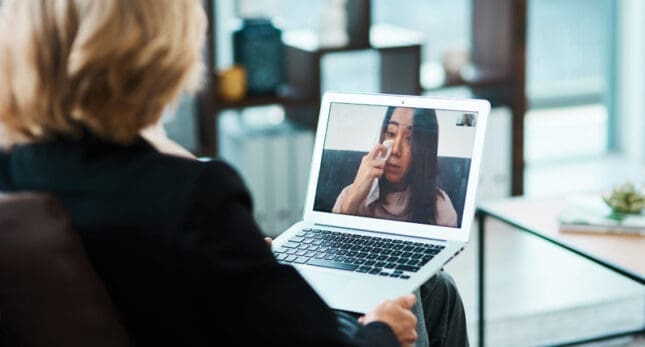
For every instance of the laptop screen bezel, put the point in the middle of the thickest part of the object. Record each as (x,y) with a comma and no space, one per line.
(462,233)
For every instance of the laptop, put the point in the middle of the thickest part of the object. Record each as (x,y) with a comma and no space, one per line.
(366,238)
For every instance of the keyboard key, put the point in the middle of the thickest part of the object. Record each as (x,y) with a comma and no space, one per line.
(282,256)
(390,266)
(292,251)
(375,271)
(291,258)
(395,275)
(301,260)
(409,268)
(405,277)
(332,264)
(296,239)
(290,244)
(363,269)
(424,260)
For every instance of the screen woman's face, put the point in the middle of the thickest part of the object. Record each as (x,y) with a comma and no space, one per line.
(399,130)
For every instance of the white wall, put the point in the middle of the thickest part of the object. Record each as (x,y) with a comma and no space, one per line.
(357,127)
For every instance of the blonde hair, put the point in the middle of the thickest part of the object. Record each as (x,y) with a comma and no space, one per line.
(109,66)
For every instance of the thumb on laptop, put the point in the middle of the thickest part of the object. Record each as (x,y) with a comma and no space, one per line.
(406,301)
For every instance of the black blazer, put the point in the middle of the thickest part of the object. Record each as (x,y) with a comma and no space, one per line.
(175,242)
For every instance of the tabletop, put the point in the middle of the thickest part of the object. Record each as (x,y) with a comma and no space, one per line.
(623,253)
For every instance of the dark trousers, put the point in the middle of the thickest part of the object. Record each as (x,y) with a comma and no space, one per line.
(440,313)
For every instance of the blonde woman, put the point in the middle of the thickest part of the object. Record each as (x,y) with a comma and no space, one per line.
(172,238)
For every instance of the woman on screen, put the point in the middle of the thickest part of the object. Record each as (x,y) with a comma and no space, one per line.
(404,163)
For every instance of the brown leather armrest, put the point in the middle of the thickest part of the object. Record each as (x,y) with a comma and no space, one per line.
(49,293)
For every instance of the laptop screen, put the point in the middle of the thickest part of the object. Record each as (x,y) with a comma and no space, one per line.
(396,163)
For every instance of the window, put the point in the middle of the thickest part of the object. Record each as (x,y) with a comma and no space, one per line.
(569,74)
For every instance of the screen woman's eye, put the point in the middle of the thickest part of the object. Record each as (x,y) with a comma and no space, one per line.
(390,134)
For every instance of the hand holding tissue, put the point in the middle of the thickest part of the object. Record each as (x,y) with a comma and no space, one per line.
(373,194)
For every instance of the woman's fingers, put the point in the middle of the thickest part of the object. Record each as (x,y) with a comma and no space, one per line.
(378,150)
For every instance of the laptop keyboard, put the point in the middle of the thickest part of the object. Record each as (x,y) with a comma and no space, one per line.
(359,253)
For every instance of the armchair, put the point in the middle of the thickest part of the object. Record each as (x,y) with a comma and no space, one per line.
(49,293)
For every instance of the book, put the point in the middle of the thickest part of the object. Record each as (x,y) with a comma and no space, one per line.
(589,213)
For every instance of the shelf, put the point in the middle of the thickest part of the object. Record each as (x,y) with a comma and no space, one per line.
(381,37)
(434,78)
(251,101)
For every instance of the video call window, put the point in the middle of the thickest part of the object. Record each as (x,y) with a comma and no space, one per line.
(398,163)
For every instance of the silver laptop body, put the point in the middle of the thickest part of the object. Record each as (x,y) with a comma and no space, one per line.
(355,261)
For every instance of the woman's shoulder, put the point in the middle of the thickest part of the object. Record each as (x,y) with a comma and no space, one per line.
(340,199)
(446,214)
(220,181)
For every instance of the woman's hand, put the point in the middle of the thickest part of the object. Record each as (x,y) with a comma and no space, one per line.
(371,167)
(396,313)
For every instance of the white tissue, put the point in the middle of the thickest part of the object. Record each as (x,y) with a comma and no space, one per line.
(373,194)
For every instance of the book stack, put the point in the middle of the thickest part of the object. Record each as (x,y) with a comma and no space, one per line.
(589,213)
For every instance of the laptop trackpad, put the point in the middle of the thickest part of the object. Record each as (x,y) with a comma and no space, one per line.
(326,284)
(344,291)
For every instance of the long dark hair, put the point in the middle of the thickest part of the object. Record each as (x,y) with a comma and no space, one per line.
(422,175)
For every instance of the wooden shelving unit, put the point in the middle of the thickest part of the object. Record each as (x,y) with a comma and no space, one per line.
(497,55)
(302,91)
